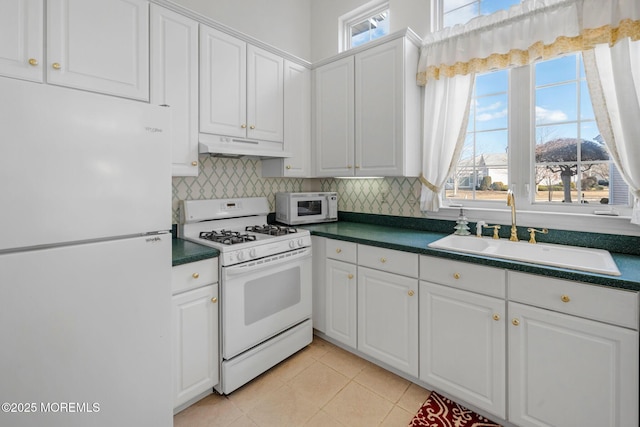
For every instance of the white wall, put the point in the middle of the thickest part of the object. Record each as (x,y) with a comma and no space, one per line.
(280,23)
(325,14)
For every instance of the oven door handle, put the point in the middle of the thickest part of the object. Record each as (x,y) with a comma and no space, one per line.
(267,262)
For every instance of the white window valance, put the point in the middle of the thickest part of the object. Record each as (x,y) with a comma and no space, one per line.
(527,32)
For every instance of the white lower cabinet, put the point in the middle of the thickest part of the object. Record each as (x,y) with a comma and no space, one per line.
(568,370)
(462,332)
(368,306)
(341,297)
(463,346)
(388,318)
(195,330)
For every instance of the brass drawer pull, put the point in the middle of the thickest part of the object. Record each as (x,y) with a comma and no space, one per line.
(195,275)
(338,250)
(411,293)
(383,260)
(515,322)
(496,316)
(214,300)
(350,276)
(456,276)
(565,298)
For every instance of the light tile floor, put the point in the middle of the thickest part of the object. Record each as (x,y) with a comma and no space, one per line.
(321,385)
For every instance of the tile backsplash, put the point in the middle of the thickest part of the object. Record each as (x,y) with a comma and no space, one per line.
(221,178)
(397,196)
(226,178)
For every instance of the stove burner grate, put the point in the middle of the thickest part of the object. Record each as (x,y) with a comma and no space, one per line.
(272,230)
(226,237)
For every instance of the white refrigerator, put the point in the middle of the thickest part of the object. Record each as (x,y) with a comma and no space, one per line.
(85,259)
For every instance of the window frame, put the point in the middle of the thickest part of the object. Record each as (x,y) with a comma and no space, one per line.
(575,216)
(348,20)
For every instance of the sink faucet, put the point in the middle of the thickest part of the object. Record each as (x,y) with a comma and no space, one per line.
(511,201)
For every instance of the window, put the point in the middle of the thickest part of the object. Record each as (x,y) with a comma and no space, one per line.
(364,24)
(483,169)
(462,11)
(535,125)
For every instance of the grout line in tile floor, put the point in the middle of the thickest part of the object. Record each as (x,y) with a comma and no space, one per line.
(322,385)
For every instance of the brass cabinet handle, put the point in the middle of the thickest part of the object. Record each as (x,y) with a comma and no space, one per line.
(338,250)
(56,66)
(350,276)
(252,127)
(288,166)
(214,300)
(411,293)
(349,166)
(357,166)
(565,298)
(383,260)
(33,61)
(496,316)
(195,275)
(515,322)
(194,163)
(456,276)
(243,126)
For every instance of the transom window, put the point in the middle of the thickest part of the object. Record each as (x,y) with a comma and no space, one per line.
(462,11)
(364,24)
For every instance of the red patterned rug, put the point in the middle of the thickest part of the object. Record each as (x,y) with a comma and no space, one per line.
(438,411)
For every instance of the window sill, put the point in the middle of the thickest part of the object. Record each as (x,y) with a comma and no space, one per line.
(585,222)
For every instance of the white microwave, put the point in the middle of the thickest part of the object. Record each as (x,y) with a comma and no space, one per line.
(306,208)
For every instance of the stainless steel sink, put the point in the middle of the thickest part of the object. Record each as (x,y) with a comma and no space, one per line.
(563,256)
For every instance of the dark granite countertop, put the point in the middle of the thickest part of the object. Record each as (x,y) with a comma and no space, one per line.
(184,252)
(416,241)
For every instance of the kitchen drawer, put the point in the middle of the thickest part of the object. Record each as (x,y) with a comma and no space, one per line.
(194,275)
(390,260)
(462,275)
(608,305)
(342,251)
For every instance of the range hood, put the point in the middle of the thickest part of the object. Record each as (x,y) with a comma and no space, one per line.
(228,146)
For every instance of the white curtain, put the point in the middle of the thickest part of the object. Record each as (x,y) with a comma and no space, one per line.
(446,112)
(613,75)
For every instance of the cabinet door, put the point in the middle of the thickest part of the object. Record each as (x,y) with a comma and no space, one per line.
(297,125)
(319,296)
(334,115)
(341,302)
(21,37)
(99,46)
(570,371)
(223,84)
(174,82)
(265,95)
(388,318)
(462,345)
(195,343)
(379,110)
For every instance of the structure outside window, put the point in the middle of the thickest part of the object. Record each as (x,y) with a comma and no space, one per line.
(364,24)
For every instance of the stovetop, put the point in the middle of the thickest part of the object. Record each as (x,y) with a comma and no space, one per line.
(238,229)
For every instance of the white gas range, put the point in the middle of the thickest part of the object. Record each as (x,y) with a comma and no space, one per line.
(265,284)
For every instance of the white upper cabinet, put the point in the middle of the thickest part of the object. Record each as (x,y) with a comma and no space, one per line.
(174,82)
(334,118)
(241,88)
(100,46)
(21,39)
(367,113)
(297,125)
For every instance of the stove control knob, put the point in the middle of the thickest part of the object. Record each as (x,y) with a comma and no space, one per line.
(240,256)
(252,253)
(292,244)
(300,242)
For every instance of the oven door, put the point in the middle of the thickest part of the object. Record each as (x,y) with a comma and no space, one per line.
(264,297)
